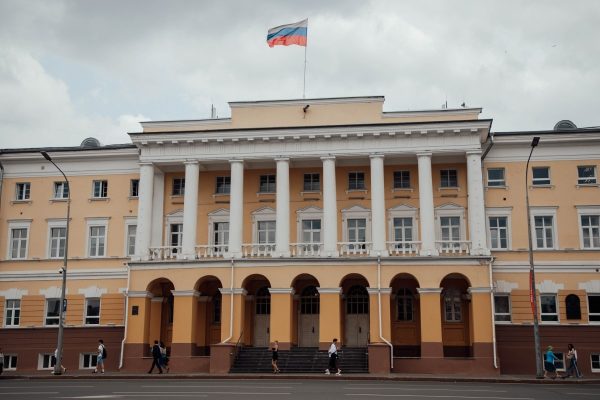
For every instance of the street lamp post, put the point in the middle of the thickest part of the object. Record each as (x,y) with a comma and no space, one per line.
(61,322)
(539,372)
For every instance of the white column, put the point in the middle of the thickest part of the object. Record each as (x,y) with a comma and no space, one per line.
(426,211)
(190,210)
(477,231)
(236,209)
(330,220)
(144,216)
(377,206)
(282,229)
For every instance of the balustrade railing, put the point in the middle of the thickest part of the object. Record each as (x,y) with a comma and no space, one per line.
(459,247)
(354,248)
(408,248)
(211,251)
(306,249)
(164,252)
(258,249)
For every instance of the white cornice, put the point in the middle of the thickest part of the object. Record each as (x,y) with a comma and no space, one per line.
(383,290)
(45,275)
(183,124)
(303,102)
(281,291)
(337,290)
(547,266)
(441,112)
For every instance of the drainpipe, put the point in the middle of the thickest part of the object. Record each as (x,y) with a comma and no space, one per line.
(493,321)
(126,316)
(231,304)
(379,304)
(1,182)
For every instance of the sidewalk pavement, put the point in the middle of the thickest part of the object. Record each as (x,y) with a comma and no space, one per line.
(359,377)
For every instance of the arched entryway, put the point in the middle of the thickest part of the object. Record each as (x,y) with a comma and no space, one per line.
(456,328)
(161,315)
(208,313)
(307,310)
(406,316)
(258,309)
(356,310)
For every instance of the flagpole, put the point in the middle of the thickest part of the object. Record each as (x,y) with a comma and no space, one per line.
(304,81)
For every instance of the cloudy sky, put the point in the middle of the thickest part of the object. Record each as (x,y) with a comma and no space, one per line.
(73,69)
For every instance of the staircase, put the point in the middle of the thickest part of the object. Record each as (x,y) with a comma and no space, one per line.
(299,360)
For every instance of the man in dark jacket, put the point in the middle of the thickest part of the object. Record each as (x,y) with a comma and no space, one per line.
(156,358)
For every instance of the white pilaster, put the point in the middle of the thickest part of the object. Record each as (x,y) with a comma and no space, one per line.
(330,220)
(377,206)
(282,229)
(190,210)
(144,218)
(426,210)
(236,209)
(477,232)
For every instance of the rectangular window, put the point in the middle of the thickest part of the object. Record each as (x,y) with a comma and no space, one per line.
(541,175)
(594,307)
(498,233)
(502,307)
(357,231)
(100,190)
(221,235)
(18,243)
(10,362)
(134,188)
(58,239)
(356,181)
(61,190)
(586,175)
(267,184)
(97,240)
(594,358)
(131,233)
(495,177)
(23,191)
(176,237)
(266,232)
(401,179)
(223,185)
(590,225)
(544,232)
(47,361)
(449,178)
(92,311)
(89,360)
(178,186)
(549,311)
(13,312)
(312,182)
(52,311)
(403,232)
(311,231)
(450,232)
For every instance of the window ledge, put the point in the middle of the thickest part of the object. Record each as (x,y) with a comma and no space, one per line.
(503,322)
(221,195)
(58,200)
(310,193)
(408,189)
(176,196)
(28,201)
(583,185)
(549,186)
(133,197)
(549,322)
(503,187)
(449,188)
(265,193)
(99,199)
(356,191)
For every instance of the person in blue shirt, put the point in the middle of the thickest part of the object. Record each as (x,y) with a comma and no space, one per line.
(549,360)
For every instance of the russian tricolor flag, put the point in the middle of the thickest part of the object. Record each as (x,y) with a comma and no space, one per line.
(286,35)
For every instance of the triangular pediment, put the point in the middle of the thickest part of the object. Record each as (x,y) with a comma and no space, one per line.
(176,213)
(310,209)
(264,211)
(450,206)
(221,212)
(356,209)
(403,207)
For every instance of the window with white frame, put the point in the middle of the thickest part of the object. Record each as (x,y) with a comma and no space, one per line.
(134,188)
(46,361)
(452,305)
(130,240)
(19,237)
(61,190)
(560,362)
(88,360)
(502,307)
(312,183)
(223,185)
(403,232)
(263,226)
(594,307)
(220,235)
(356,181)
(586,175)
(178,187)
(402,226)
(590,231)
(100,189)
(266,232)
(175,237)
(541,176)
(10,362)
(92,311)
(357,232)
(450,228)
(401,179)
(23,191)
(448,178)
(356,227)
(267,184)
(52,312)
(12,312)
(58,240)
(96,240)
(548,308)
(311,231)
(595,361)
(498,231)
(309,227)
(544,231)
(495,177)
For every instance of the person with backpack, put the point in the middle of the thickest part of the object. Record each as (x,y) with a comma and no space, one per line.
(333,355)
(101,356)
(156,357)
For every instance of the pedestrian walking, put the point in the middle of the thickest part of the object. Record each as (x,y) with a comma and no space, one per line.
(333,350)
(155,358)
(164,359)
(63,369)
(549,361)
(275,357)
(1,361)
(100,357)
(573,369)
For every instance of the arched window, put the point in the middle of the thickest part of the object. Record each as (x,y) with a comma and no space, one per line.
(357,300)
(573,307)
(263,301)
(309,300)
(452,305)
(404,304)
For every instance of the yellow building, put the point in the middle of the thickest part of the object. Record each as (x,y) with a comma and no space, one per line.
(403,234)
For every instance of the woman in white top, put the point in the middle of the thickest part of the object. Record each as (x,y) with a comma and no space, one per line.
(573,369)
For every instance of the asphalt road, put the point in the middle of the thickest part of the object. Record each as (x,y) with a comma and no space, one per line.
(327,389)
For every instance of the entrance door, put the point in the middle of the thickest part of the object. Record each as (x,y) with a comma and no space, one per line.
(357,317)
(308,318)
(262,317)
